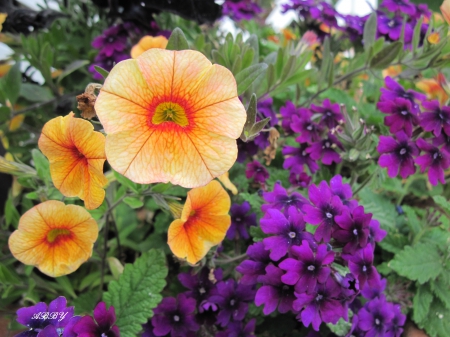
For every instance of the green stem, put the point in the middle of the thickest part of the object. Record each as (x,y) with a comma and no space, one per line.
(363,184)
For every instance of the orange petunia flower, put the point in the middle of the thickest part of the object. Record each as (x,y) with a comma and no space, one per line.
(54,237)
(170,116)
(392,71)
(203,224)
(445,9)
(434,88)
(76,153)
(147,43)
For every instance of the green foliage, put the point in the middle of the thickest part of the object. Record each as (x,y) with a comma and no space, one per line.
(177,40)
(381,208)
(252,128)
(386,56)
(137,292)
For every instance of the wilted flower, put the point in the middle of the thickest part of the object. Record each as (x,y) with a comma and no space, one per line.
(203,224)
(171,116)
(54,237)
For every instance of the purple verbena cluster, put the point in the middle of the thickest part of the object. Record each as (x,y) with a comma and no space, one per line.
(210,302)
(297,271)
(241,9)
(58,320)
(420,133)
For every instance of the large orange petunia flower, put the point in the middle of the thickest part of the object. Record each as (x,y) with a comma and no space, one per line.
(203,224)
(146,43)
(76,153)
(170,116)
(54,237)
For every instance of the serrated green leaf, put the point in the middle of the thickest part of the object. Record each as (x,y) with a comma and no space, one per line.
(394,242)
(386,56)
(101,71)
(441,290)
(246,77)
(370,31)
(421,303)
(443,202)
(437,323)
(137,292)
(419,263)
(177,40)
(412,220)
(381,208)
(133,202)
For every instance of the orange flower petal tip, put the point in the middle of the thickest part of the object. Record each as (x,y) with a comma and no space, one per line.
(170,116)
(445,10)
(54,237)
(147,43)
(76,154)
(203,224)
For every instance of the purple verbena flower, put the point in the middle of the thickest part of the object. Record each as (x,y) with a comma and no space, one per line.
(286,231)
(330,114)
(279,199)
(325,13)
(435,118)
(232,299)
(434,159)
(395,329)
(353,229)
(326,207)
(375,290)
(255,267)
(241,9)
(112,41)
(322,305)
(256,171)
(297,156)
(397,155)
(394,90)
(288,112)
(246,150)
(343,191)
(274,293)
(399,6)
(298,178)
(175,316)
(444,140)
(325,150)
(401,115)
(302,123)
(105,62)
(354,26)
(103,324)
(349,290)
(375,317)
(392,27)
(238,329)
(376,234)
(240,221)
(302,6)
(265,108)
(360,264)
(307,269)
(422,10)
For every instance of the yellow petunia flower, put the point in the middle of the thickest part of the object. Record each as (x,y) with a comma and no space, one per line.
(147,43)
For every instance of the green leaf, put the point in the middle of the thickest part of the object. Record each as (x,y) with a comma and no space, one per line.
(254,200)
(8,276)
(85,303)
(35,93)
(443,202)
(386,56)
(126,182)
(381,208)
(370,31)
(102,71)
(412,220)
(441,290)
(161,187)
(74,66)
(12,216)
(137,292)
(42,165)
(115,266)
(11,83)
(394,242)
(419,263)
(247,76)
(64,282)
(421,303)
(133,202)
(257,234)
(177,40)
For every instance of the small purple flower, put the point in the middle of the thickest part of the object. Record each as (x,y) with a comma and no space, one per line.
(361,265)
(302,6)
(38,317)
(246,150)
(287,231)
(274,293)
(255,267)
(343,191)
(326,207)
(375,317)
(375,290)
(112,41)
(392,27)
(399,6)
(279,199)
(353,229)
(241,9)
(394,90)
(232,299)
(175,316)
(395,329)
(330,113)
(265,108)
(288,112)
(302,123)
(237,329)
(322,305)
(435,118)
(397,155)
(422,10)
(444,140)
(240,221)
(298,178)
(105,62)
(435,160)
(376,234)
(354,26)
(401,115)
(256,171)
(297,156)
(326,150)
(307,269)
(102,326)
(349,289)
(325,13)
